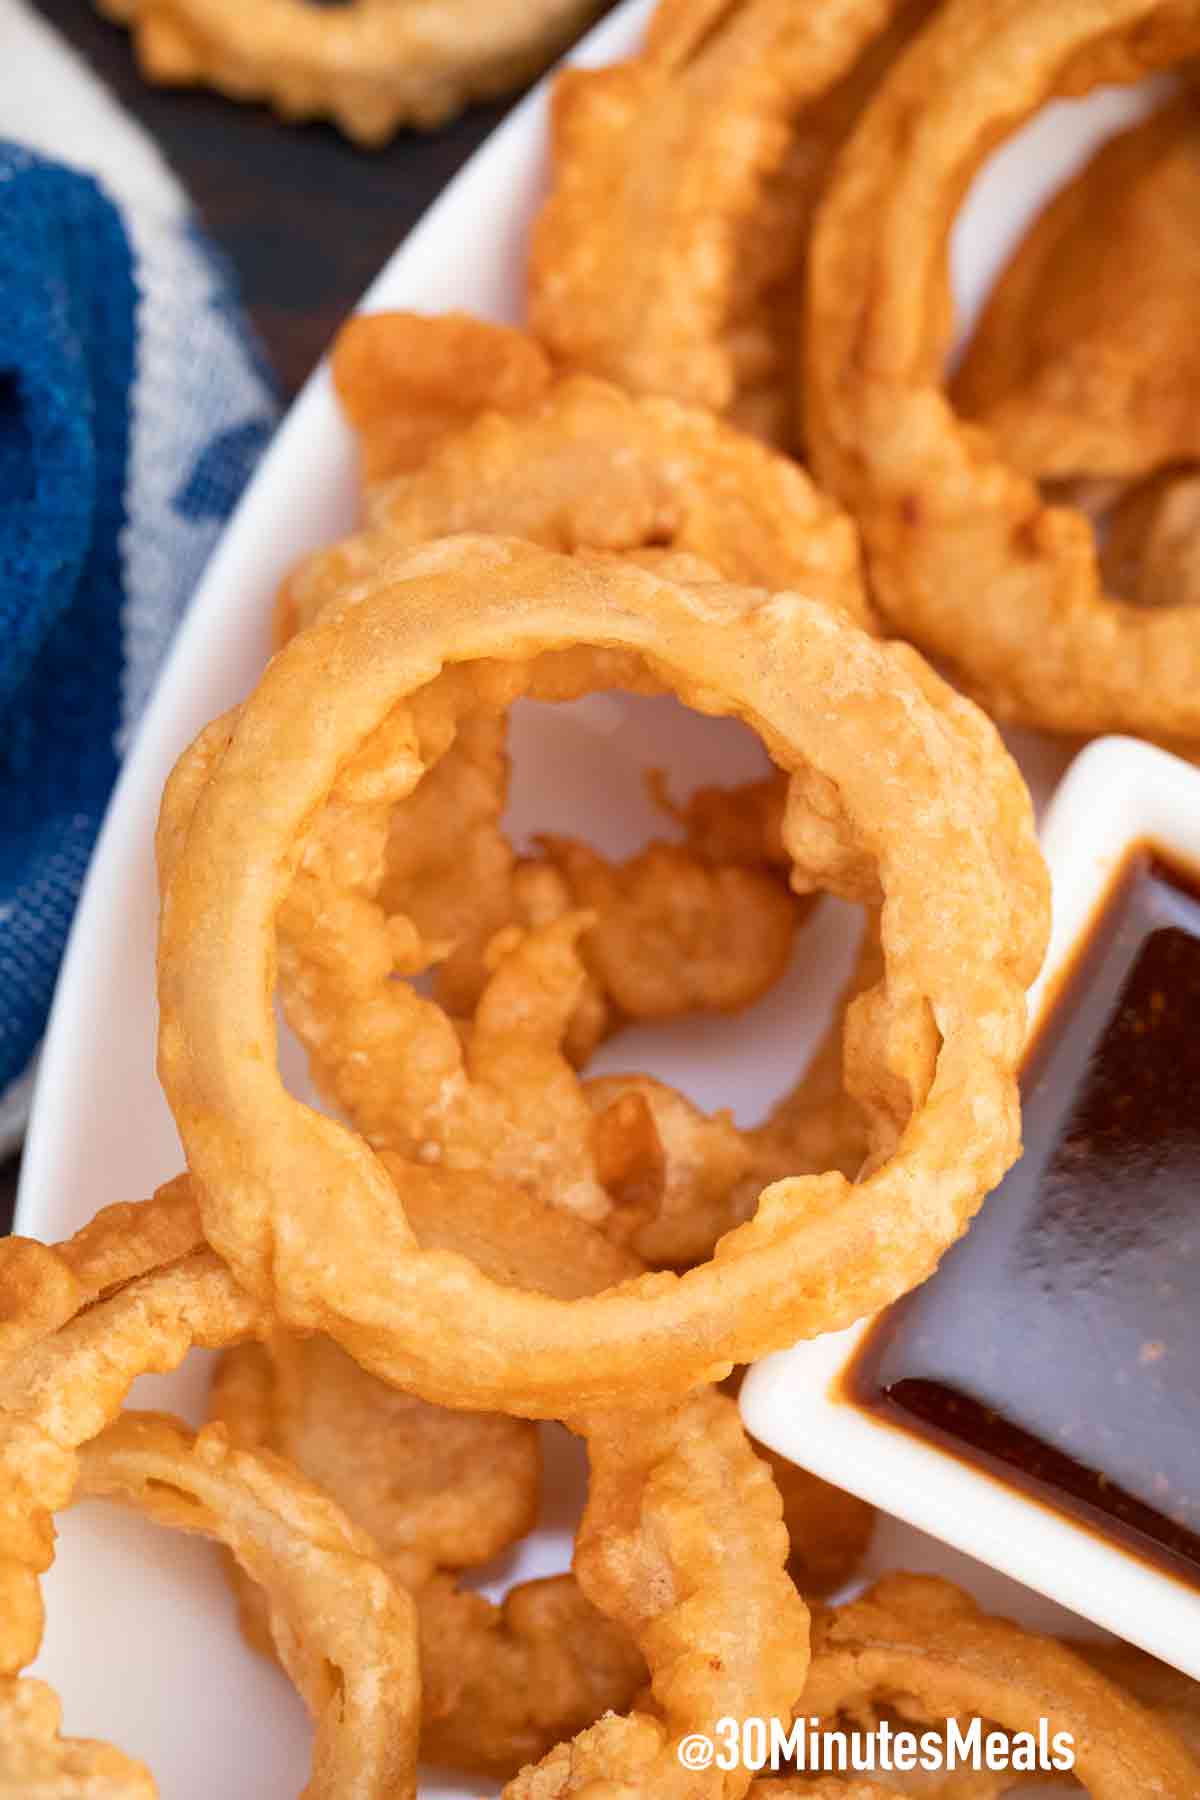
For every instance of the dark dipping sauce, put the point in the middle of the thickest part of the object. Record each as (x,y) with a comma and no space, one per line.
(1058,1344)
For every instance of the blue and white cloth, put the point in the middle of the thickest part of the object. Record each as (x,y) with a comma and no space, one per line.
(133,406)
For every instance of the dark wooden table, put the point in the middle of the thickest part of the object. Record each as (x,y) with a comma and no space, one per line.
(307,219)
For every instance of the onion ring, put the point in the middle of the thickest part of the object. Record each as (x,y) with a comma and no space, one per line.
(1167,1692)
(673,934)
(682,1543)
(280,1186)
(502,1686)
(58,1393)
(925,1648)
(344,1630)
(829,1529)
(59,1387)
(371,66)
(496,1091)
(683,1178)
(964,555)
(584,466)
(1083,369)
(1084,361)
(669,253)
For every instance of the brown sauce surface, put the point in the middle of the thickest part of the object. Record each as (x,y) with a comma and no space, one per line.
(1058,1344)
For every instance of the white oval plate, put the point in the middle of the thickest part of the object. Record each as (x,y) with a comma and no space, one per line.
(140,1638)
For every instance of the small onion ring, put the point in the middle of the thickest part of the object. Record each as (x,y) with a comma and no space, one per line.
(307,1215)
(965,556)
(345,1631)
(923,1646)
(59,1390)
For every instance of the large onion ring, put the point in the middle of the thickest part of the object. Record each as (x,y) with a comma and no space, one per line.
(965,556)
(307,1215)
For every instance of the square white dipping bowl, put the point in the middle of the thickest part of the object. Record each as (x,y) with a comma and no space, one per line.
(1117,794)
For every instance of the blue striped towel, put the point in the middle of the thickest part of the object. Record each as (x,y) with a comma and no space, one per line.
(133,406)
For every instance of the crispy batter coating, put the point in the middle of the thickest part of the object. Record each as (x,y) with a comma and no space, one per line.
(61,1382)
(405,381)
(1086,361)
(669,254)
(827,1121)
(683,1176)
(343,1628)
(1167,1692)
(37,1764)
(370,66)
(502,1685)
(965,556)
(924,1648)
(458,887)
(57,1393)
(43,1285)
(731,825)
(571,463)
(1081,367)
(593,468)
(432,1488)
(829,1530)
(440,1491)
(683,1545)
(900,788)
(491,444)
(674,934)
(686,1177)
(495,1093)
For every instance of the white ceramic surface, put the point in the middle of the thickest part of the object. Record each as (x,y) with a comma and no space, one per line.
(1118,793)
(140,1637)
